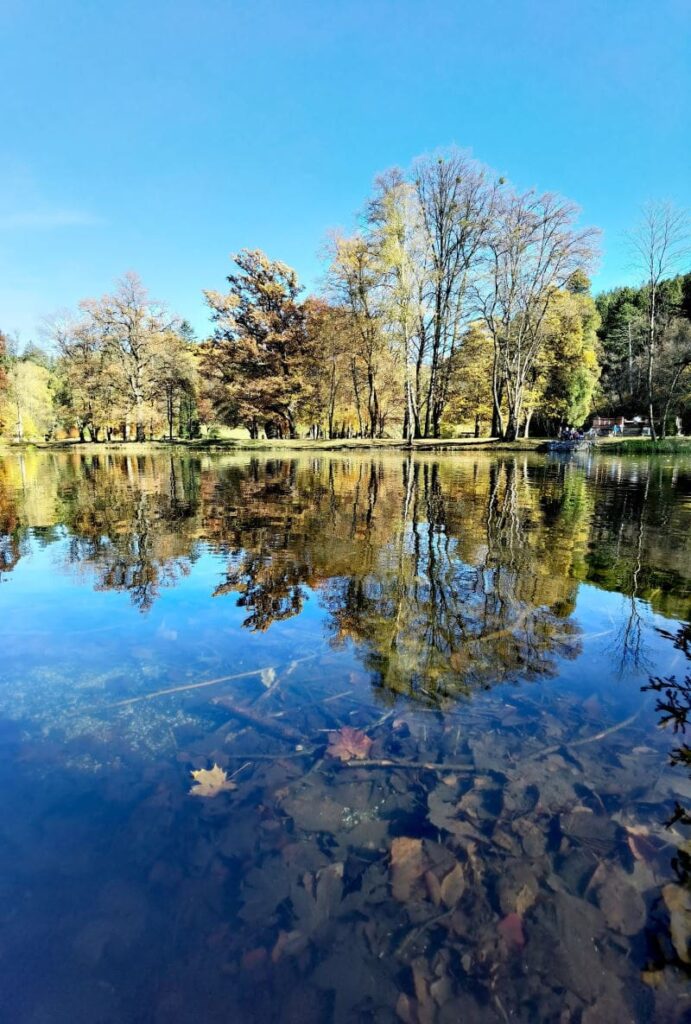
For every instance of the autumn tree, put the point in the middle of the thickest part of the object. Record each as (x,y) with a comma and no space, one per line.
(470,389)
(26,406)
(394,217)
(355,284)
(85,393)
(131,327)
(533,249)
(173,376)
(3,373)
(565,374)
(330,334)
(457,202)
(256,360)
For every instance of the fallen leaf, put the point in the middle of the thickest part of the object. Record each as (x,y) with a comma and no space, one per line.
(210,782)
(348,744)
(452,886)
(406,866)
(511,931)
(678,901)
(254,958)
(623,907)
(289,944)
(433,887)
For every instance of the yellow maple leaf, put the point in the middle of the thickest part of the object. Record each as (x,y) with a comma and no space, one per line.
(210,782)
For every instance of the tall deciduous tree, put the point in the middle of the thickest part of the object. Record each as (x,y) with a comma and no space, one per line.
(355,284)
(256,359)
(3,372)
(131,325)
(86,396)
(457,203)
(533,249)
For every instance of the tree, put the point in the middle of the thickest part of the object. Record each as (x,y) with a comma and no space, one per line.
(329,330)
(533,250)
(470,392)
(255,361)
(355,284)
(173,374)
(394,216)
(4,353)
(659,242)
(26,406)
(130,326)
(566,371)
(674,371)
(457,206)
(85,393)
(622,325)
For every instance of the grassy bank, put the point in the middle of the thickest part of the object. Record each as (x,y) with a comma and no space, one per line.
(645,446)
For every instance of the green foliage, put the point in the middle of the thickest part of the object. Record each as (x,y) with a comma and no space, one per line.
(623,339)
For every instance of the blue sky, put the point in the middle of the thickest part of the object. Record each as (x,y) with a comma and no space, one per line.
(162,136)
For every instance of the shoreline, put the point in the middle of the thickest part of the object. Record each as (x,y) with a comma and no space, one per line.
(607,445)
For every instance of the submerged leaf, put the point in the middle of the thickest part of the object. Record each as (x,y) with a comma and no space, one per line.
(406,866)
(348,743)
(453,886)
(511,931)
(678,902)
(210,782)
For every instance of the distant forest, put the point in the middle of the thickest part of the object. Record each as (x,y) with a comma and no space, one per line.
(460,305)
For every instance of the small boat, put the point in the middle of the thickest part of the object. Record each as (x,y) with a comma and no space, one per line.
(577,445)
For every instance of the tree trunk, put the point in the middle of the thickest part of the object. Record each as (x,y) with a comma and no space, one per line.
(651,359)
(528,418)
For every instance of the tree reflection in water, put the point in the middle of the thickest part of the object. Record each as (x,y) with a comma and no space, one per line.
(448,574)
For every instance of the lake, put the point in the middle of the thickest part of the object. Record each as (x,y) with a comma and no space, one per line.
(431,782)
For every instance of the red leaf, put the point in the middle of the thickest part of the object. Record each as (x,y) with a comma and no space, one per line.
(511,931)
(349,744)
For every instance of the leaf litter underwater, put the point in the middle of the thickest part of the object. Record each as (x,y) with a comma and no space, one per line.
(282,837)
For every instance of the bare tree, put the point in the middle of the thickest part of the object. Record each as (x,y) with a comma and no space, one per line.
(457,203)
(661,240)
(533,249)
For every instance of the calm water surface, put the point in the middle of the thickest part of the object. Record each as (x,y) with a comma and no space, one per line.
(489,846)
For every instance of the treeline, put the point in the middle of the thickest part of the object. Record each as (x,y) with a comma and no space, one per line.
(459,305)
(636,376)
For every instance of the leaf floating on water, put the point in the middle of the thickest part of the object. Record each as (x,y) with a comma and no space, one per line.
(268,677)
(209,782)
(349,743)
(406,866)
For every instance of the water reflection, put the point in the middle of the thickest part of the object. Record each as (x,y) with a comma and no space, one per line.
(445,574)
(490,851)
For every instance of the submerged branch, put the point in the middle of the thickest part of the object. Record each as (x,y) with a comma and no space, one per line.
(189,686)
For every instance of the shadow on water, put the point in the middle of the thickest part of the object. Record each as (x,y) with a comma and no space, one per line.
(442,790)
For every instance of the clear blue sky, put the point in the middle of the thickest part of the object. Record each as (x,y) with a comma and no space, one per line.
(161,135)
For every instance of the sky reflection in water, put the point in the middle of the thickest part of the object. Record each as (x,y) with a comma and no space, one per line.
(488,617)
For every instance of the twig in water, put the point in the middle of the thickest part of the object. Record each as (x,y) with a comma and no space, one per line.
(416,932)
(187,686)
(387,763)
(588,739)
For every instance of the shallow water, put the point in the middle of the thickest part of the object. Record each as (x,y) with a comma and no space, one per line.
(492,846)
